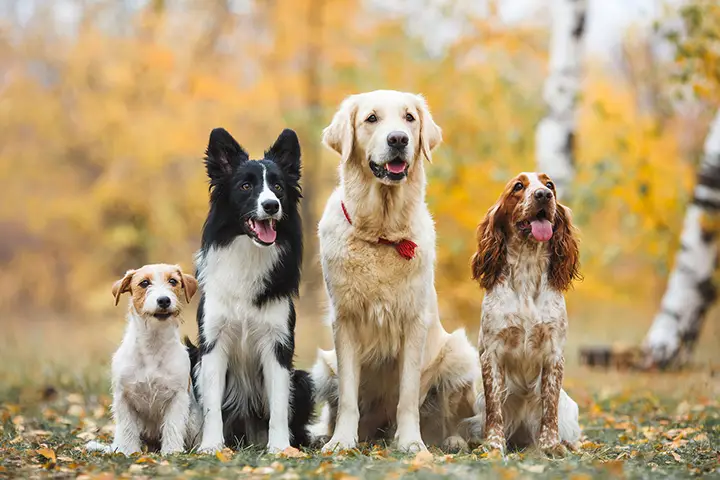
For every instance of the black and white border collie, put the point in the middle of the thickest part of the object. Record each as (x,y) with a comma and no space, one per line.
(249,271)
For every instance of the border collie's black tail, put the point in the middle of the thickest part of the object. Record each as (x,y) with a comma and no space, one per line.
(194,353)
(303,408)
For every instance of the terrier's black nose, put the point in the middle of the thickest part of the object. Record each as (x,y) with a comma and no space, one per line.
(271,207)
(543,194)
(398,140)
(163,302)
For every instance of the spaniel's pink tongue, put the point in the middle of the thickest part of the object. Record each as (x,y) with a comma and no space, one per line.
(265,231)
(541,230)
(396,166)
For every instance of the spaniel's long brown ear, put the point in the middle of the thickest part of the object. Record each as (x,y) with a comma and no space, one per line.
(340,134)
(488,262)
(189,285)
(564,252)
(122,285)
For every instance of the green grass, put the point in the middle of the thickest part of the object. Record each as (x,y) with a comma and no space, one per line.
(637,426)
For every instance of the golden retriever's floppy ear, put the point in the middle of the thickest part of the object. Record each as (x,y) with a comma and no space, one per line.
(488,263)
(340,134)
(122,285)
(564,264)
(189,285)
(430,132)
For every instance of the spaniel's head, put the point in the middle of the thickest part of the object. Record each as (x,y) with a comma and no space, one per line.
(527,211)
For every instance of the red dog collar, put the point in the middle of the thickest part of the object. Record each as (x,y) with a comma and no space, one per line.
(406,248)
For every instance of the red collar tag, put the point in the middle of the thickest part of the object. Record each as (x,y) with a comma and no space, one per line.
(406,248)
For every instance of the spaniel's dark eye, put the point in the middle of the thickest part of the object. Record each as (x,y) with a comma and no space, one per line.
(278,187)
(371,119)
(144,283)
(246,186)
(518,186)
(173,282)
(409,117)
(550,185)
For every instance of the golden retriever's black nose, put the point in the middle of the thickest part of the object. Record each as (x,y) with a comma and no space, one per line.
(398,140)
(163,302)
(271,207)
(543,194)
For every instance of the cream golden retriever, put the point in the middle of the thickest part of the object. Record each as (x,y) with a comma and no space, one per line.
(394,370)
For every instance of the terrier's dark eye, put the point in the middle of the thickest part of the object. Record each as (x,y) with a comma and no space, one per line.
(518,186)
(173,282)
(371,119)
(550,185)
(246,186)
(144,283)
(409,117)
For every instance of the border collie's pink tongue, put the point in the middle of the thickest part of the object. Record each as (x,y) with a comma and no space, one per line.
(541,230)
(265,230)
(396,166)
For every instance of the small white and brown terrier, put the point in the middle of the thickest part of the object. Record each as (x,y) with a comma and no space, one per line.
(153,402)
(527,257)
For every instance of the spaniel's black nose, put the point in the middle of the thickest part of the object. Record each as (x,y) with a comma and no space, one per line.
(543,194)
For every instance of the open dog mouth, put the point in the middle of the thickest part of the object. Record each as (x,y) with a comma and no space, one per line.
(395,169)
(539,226)
(262,230)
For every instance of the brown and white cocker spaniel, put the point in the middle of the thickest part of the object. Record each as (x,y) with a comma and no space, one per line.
(527,257)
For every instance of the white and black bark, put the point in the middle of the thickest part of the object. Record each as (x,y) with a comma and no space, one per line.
(690,290)
(555,135)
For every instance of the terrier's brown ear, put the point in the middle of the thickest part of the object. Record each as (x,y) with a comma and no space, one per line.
(122,285)
(189,285)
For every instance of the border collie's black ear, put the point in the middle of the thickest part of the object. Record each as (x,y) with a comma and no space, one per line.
(223,154)
(286,152)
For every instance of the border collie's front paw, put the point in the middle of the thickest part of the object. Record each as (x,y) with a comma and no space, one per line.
(274,449)
(337,444)
(210,448)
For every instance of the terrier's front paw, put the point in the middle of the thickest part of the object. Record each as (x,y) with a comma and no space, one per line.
(338,443)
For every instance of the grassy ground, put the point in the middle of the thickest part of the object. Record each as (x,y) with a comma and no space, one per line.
(628,431)
(54,397)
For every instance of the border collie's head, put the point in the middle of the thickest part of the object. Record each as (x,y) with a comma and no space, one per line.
(253,197)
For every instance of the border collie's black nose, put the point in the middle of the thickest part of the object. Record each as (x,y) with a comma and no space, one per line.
(397,140)
(543,194)
(271,207)
(163,302)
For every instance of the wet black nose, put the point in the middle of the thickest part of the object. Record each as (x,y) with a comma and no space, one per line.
(543,194)
(397,140)
(163,302)
(271,207)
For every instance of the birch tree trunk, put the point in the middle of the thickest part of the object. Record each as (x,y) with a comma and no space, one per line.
(555,135)
(690,290)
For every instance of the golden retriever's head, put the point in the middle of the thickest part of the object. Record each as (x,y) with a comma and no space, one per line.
(386,131)
(156,290)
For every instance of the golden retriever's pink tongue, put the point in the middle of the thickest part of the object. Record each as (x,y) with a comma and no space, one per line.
(395,167)
(265,231)
(541,230)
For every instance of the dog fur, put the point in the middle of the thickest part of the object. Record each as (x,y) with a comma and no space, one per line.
(249,271)
(153,402)
(394,370)
(527,257)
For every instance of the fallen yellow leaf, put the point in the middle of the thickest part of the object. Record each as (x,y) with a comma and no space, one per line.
(47,453)
(292,452)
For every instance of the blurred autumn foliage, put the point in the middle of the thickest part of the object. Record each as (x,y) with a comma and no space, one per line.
(103,125)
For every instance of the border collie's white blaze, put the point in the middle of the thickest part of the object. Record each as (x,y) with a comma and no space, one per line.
(249,271)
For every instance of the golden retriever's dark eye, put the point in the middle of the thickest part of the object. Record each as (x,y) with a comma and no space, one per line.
(173,282)
(246,186)
(550,185)
(409,117)
(144,283)
(371,119)
(278,187)
(518,186)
